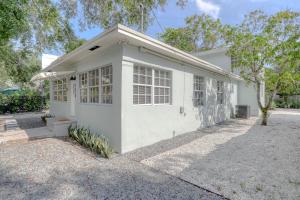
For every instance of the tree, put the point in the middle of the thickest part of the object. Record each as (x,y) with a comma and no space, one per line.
(207,32)
(201,32)
(28,27)
(267,49)
(12,20)
(105,14)
(180,38)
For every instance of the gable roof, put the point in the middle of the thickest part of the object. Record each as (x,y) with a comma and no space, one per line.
(120,33)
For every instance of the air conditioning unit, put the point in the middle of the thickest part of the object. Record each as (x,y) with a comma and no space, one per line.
(242,111)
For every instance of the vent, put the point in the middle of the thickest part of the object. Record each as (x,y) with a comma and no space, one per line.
(242,111)
(94,48)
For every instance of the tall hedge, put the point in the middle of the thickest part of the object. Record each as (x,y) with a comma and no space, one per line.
(23,101)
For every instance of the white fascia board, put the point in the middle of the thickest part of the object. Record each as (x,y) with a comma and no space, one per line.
(144,39)
(79,49)
(175,53)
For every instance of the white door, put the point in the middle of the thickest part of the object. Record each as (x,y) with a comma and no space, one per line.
(73,97)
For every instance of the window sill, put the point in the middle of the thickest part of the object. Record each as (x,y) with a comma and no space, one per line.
(95,104)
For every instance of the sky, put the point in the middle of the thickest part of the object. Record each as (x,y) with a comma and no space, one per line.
(228,11)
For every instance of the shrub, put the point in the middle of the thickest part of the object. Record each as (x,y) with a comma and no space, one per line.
(280,103)
(95,143)
(22,101)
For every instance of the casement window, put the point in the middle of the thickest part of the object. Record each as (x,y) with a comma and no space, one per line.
(162,87)
(142,85)
(220,92)
(106,84)
(199,91)
(60,90)
(95,86)
(83,87)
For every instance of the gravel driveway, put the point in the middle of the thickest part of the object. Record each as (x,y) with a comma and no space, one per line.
(241,159)
(58,169)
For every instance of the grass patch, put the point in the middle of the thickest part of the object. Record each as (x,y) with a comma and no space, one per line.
(95,143)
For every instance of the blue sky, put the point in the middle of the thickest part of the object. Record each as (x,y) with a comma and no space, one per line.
(229,11)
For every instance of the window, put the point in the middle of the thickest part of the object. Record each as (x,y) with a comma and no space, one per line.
(162,87)
(60,90)
(94,86)
(142,85)
(233,62)
(83,89)
(106,85)
(199,91)
(220,92)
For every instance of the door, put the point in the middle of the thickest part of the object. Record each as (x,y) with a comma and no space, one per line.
(73,97)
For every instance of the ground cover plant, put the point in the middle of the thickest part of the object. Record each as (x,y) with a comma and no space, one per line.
(95,143)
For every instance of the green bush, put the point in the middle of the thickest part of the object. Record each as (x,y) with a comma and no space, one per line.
(23,101)
(280,103)
(95,143)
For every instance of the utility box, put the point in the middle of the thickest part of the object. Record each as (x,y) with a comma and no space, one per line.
(242,111)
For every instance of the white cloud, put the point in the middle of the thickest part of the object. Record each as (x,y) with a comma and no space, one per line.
(208,8)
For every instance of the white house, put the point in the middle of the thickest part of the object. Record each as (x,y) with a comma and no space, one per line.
(136,90)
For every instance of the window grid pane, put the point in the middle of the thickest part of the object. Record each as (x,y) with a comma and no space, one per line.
(220,92)
(199,91)
(60,90)
(93,86)
(106,84)
(142,85)
(162,87)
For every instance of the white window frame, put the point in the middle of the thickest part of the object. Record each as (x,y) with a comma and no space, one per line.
(106,98)
(162,88)
(150,84)
(83,86)
(61,91)
(199,87)
(147,83)
(92,86)
(99,86)
(220,92)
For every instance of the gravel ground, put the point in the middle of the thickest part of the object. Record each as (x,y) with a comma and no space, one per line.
(59,169)
(241,160)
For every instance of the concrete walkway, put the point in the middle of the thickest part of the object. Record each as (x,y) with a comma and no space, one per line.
(23,127)
(21,135)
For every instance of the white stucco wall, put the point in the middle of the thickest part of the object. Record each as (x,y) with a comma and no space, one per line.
(104,119)
(220,59)
(146,124)
(246,92)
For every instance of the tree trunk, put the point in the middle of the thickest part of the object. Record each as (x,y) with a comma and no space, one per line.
(265,116)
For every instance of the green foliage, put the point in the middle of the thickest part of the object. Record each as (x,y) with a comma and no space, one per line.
(12,19)
(267,49)
(108,13)
(23,101)
(28,27)
(201,32)
(95,143)
(207,32)
(180,38)
(289,103)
